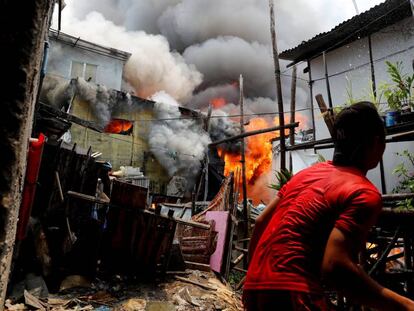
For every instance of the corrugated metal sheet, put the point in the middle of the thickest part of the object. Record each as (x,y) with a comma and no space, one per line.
(359,26)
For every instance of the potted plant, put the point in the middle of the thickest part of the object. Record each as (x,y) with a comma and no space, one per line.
(399,94)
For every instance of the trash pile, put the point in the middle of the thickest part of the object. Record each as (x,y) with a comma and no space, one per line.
(180,291)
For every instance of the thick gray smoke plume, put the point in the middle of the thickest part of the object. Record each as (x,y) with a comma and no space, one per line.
(225,58)
(195,50)
(229,92)
(104,102)
(178,144)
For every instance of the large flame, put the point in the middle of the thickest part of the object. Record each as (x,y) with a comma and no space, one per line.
(258,154)
(119,126)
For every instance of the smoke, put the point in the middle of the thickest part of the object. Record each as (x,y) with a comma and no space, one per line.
(178,144)
(196,21)
(56,91)
(152,67)
(104,102)
(201,100)
(225,58)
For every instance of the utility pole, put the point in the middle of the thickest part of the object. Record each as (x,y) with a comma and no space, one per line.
(207,154)
(278,87)
(355,6)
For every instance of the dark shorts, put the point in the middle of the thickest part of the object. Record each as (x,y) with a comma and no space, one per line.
(274,300)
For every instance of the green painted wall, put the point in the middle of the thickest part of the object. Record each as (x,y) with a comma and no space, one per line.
(119,149)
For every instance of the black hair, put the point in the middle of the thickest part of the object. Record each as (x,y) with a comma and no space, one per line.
(355,127)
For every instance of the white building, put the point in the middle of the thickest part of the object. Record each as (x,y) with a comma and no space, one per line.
(72,57)
(355,53)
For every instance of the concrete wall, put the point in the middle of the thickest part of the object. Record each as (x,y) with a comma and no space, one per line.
(109,71)
(121,149)
(24,38)
(398,40)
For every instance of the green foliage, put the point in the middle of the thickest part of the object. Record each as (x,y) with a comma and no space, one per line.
(235,277)
(399,92)
(282,178)
(406,179)
(349,94)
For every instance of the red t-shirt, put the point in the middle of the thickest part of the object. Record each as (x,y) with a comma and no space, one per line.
(289,253)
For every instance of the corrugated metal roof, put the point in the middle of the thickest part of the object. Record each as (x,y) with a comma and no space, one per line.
(89,46)
(359,26)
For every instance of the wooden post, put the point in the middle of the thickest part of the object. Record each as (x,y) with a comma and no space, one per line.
(311,99)
(374,90)
(246,222)
(292,113)
(243,157)
(328,87)
(327,114)
(278,87)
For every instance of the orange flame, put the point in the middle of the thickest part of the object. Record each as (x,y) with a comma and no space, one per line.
(258,153)
(218,102)
(119,126)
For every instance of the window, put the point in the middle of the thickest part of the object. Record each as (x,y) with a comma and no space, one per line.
(84,70)
(119,126)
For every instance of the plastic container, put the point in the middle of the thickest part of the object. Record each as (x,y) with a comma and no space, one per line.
(391,118)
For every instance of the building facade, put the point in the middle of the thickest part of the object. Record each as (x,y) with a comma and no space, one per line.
(351,58)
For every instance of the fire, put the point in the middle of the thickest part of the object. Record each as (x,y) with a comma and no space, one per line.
(119,126)
(258,152)
(218,102)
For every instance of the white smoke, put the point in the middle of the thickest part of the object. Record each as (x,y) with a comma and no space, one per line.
(152,66)
(178,144)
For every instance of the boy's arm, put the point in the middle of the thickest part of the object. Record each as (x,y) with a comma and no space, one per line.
(345,275)
(339,266)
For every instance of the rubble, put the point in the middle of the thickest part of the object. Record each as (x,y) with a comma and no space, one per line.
(198,291)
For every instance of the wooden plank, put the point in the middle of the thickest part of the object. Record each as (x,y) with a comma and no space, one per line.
(328,115)
(243,250)
(205,286)
(240,269)
(70,118)
(197,266)
(87,197)
(397,196)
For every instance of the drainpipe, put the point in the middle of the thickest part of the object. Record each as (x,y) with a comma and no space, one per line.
(42,76)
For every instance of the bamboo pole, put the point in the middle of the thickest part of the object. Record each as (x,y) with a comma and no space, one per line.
(278,86)
(252,133)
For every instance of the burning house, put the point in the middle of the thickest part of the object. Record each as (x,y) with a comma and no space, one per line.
(157,135)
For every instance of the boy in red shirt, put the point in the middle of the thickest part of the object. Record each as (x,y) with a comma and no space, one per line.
(312,232)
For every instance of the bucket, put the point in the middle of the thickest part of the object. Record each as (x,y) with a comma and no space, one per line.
(391,118)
